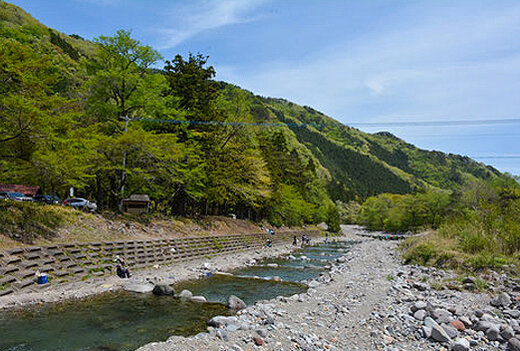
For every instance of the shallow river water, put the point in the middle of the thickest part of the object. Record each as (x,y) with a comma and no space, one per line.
(121,321)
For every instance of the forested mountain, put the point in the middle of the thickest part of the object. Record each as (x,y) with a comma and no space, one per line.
(63,101)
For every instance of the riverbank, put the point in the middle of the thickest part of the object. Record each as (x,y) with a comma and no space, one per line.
(370,301)
(144,279)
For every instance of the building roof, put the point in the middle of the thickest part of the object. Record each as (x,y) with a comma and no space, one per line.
(137,198)
(30,190)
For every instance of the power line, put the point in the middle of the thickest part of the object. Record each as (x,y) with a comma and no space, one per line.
(498,157)
(480,122)
(477,122)
(460,135)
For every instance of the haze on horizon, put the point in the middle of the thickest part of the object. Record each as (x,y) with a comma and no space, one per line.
(358,62)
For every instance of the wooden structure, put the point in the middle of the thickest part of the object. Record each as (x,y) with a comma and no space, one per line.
(136,203)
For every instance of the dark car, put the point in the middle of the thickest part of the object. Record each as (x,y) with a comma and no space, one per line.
(48,199)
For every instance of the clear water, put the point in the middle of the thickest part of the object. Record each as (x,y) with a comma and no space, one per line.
(219,287)
(122,321)
(287,273)
(115,321)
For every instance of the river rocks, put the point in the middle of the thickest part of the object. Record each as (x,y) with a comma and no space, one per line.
(467,322)
(198,299)
(502,300)
(313,284)
(235,303)
(163,290)
(493,333)
(507,333)
(460,344)
(420,315)
(483,326)
(450,330)
(139,288)
(514,344)
(458,325)
(258,341)
(439,334)
(333,314)
(512,313)
(442,316)
(419,305)
(185,294)
(222,321)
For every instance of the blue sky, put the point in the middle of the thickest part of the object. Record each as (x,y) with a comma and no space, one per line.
(357,61)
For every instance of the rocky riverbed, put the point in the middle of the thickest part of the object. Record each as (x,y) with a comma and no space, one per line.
(369,300)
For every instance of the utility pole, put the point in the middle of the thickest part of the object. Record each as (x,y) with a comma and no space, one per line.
(123,173)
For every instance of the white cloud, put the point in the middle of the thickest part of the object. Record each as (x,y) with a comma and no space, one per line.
(199,16)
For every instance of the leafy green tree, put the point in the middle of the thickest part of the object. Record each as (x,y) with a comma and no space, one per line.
(121,82)
(374,211)
(191,85)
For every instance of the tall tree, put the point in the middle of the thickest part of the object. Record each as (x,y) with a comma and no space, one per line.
(122,83)
(191,85)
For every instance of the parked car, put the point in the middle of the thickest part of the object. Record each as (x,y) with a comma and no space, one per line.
(48,199)
(15,196)
(81,203)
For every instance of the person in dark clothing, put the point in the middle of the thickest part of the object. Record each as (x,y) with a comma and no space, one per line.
(121,269)
(295,241)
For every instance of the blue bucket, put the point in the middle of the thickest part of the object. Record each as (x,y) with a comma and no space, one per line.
(43,279)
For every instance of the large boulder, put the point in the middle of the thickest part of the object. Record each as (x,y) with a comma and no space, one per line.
(236,303)
(163,290)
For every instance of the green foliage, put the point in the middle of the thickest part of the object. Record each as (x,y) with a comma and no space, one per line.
(289,207)
(421,254)
(62,100)
(191,84)
(348,212)
(481,230)
(57,40)
(24,222)
(333,218)
(120,84)
(401,213)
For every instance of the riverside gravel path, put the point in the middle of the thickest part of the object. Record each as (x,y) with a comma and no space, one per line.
(330,316)
(370,300)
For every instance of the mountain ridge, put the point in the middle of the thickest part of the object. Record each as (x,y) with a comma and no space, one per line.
(310,161)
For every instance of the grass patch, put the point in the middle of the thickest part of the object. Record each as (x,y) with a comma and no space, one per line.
(462,252)
(25,222)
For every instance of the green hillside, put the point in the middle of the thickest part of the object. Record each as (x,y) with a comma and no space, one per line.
(61,106)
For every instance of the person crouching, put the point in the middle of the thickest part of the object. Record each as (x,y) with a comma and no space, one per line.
(121,268)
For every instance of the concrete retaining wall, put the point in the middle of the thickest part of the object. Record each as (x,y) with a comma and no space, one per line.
(72,262)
